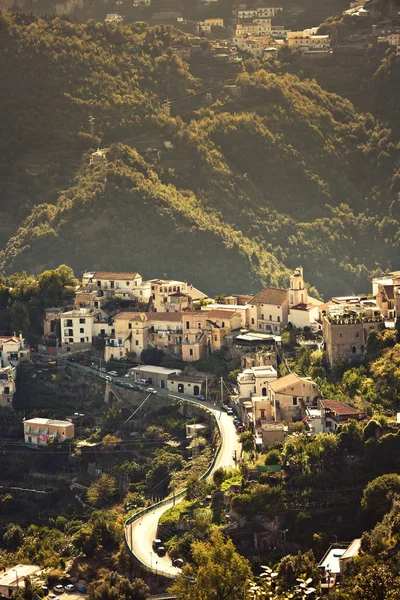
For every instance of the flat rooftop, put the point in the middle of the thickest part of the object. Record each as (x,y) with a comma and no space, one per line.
(9,577)
(331,560)
(153,369)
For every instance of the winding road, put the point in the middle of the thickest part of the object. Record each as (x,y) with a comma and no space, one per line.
(140,534)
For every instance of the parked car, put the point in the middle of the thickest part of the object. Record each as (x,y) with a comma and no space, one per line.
(103,369)
(202,399)
(52,597)
(151,390)
(127,375)
(229,410)
(58,589)
(156,544)
(45,590)
(161,551)
(70,587)
(178,562)
(113,373)
(84,362)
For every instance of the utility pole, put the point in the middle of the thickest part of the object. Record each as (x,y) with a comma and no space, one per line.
(206,388)
(222,390)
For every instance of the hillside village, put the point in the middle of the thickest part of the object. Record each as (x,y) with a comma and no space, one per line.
(256,30)
(130,318)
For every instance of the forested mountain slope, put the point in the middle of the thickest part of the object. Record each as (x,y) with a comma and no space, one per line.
(286,174)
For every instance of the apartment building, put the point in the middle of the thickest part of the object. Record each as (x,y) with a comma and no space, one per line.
(38,431)
(125,285)
(77,327)
(205,331)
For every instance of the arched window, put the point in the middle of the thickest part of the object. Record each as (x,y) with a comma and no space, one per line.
(264,391)
(252,321)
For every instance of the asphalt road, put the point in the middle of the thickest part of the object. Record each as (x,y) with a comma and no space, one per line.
(141,533)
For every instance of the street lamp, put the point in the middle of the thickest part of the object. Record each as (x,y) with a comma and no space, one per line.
(156,566)
(151,559)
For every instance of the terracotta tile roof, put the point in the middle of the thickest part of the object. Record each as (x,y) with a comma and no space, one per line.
(164,316)
(270,295)
(111,275)
(338,408)
(130,316)
(301,306)
(220,313)
(284,382)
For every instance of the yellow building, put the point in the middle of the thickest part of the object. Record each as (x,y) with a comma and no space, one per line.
(290,395)
(38,431)
(205,331)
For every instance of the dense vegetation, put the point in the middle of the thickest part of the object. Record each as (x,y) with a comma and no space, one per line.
(285,174)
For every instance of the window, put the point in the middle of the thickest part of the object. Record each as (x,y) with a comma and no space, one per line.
(119,342)
(82,340)
(279,319)
(270,317)
(215,338)
(136,342)
(262,317)
(127,283)
(263,413)
(252,321)
(169,338)
(357,334)
(340,334)
(294,401)
(199,325)
(81,330)
(190,352)
(264,391)
(187,325)
(82,320)
(129,325)
(112,285)
(68,323)
(354,349)
(223,324)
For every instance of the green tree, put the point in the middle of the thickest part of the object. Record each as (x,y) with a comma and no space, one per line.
(293,566)
(13,537)
(378,495)
(102,491)
(247,440)
(113,586)
(218,572)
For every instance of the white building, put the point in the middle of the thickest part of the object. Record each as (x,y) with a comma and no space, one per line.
(13,350)
(261,28)
(77,326)
(126,285)
(139,3)
(307,41)
(254,381)
(14,578)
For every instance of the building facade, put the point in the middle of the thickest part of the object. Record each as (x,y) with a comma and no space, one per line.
(38,431)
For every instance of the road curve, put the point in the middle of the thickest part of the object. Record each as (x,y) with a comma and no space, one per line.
(140,533)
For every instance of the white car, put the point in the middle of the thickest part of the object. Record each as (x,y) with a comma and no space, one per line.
(113,373)
(70,588)
(151,390)
(58,589)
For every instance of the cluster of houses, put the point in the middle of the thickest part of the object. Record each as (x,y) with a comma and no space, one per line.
(179,319)
(176,317)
